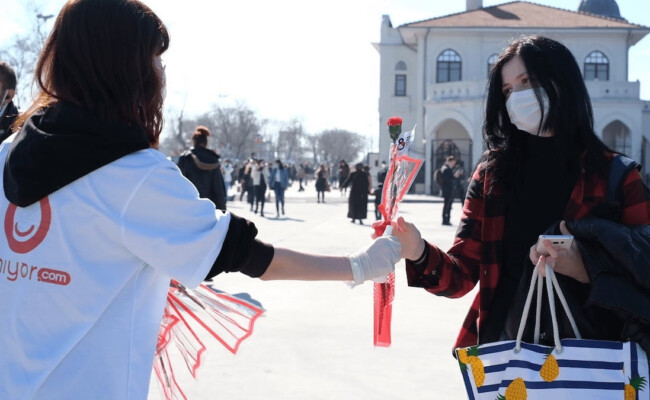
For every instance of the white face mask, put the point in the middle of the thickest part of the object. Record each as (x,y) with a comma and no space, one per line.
(524,110)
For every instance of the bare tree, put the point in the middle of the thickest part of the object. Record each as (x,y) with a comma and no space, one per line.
(179,132)
(289,141)
(237,128)
(312,143)
(338,144)
(23,50)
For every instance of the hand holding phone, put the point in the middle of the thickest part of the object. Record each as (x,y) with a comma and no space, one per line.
(558,242)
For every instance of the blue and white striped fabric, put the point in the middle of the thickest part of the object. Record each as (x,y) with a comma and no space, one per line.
(588,370)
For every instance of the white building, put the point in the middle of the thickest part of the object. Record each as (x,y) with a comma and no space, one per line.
(433,74)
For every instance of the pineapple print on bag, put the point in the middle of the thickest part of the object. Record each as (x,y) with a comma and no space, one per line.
(516,390)
(550,369)
(637,383)
(470,356)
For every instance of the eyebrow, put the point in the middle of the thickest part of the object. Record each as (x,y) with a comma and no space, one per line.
(517,77)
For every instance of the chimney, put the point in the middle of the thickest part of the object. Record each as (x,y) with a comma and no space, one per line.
(474,4)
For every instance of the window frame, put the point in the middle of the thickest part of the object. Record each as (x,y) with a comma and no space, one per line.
(448,62)
(595,64)
(398,80)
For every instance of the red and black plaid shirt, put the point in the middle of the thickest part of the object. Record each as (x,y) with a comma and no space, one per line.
(474,255)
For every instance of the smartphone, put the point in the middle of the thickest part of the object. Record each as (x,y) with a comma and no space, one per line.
(558,241)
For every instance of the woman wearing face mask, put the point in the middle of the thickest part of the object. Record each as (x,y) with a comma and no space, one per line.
(545,168)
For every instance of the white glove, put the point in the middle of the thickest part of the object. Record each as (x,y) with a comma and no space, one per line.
(377,260)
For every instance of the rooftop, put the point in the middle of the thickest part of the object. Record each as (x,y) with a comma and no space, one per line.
(523,14)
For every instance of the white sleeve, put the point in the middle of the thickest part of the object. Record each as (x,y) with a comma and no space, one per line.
(170,228)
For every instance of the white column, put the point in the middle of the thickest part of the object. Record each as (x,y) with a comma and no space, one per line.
(421,130)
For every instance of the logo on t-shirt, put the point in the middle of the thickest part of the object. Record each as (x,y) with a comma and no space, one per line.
(23,239)
(24,236)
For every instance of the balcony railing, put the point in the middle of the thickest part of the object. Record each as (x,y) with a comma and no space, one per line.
(613,90)
(476,90)
(456,91)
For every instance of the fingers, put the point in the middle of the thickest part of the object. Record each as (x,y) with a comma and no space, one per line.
(564,229)
(541,266)
(549,247)
(402,226)
(533,254)
(399,225)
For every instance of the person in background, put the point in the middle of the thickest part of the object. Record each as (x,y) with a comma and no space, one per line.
(279,181)
(546,171)
(300,175)
(459,181)
(448,186)
(227,170)
(260,177)
(321,184)
(247,186)
(118,221)
(8,111)
(381,177)
(201,166)
(360,182)
(343,173)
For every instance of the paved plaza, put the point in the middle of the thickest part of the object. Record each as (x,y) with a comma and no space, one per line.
(314,340)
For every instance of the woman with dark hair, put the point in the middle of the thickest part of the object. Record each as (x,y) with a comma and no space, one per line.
(201,166)
(343,173)
(321,184)
(99,222)
(279,181)
(260,177)
(546,171)
(359,180)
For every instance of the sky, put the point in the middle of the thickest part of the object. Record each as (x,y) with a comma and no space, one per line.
(309,61)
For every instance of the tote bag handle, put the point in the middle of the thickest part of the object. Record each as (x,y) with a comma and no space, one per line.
(551,282)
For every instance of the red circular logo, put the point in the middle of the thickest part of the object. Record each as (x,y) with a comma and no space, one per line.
(14,234)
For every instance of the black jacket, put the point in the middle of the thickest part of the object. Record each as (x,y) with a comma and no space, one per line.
(201,166)
(615,305)
(7,118)
(617,258)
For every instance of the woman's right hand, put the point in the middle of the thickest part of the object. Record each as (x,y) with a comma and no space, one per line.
(410,238)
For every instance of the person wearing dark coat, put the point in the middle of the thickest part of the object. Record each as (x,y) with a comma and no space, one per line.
(358,199)
(447,173)
(200,166)
(8,111)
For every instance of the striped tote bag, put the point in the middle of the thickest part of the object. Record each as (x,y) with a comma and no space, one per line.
(572,369)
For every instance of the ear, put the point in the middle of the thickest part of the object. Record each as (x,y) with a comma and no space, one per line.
(10,94)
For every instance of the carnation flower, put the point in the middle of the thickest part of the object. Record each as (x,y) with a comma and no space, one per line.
(394,127)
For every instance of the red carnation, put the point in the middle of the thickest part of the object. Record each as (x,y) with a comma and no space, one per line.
(394,127)
(392,121)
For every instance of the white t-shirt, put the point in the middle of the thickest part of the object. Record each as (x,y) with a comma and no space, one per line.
(84,275)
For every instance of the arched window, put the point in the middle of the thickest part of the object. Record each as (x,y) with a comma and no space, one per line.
(448,66)
(491,61)
(400,79)
(616,136)
(596,67)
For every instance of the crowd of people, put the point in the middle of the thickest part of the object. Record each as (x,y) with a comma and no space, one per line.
(85,150)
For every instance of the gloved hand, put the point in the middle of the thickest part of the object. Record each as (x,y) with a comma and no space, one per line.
(377,260)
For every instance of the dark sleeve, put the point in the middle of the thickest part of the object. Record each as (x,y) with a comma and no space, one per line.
(218,189)
(182,164)
(241,252)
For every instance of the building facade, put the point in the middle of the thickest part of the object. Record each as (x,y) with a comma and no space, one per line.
(433,73)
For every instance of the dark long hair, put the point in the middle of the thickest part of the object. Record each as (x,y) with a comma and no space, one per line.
(100,56)
(551,67)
